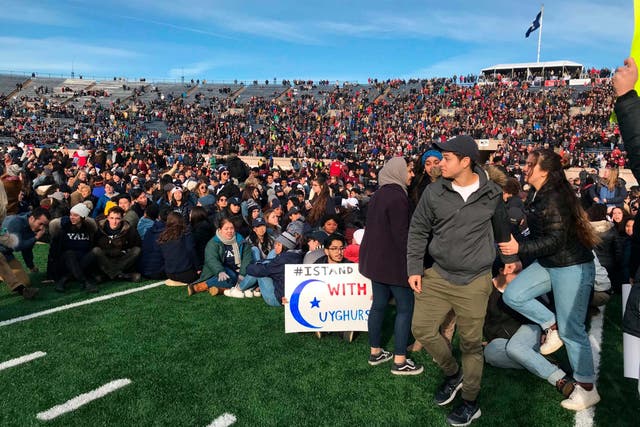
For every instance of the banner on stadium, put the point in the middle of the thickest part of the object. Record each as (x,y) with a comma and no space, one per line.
(326,298)
(549,83)
(447,112)
(574,111)
(579,82)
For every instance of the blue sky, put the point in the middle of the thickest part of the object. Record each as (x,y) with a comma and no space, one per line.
(332,39)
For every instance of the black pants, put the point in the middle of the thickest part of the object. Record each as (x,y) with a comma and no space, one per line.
(77,265)
(112,266)
(184,277)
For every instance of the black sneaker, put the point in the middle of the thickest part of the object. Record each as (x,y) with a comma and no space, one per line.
(383,356)
(407,368)
(448,390)
(90,287)
(464,414)
(59,287)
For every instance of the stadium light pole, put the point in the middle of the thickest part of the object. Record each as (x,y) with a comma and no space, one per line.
(540,32)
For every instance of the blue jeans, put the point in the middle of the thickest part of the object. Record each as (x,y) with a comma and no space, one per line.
(404,313)
(571,288)
(229,283)
(266,288)
(522,351)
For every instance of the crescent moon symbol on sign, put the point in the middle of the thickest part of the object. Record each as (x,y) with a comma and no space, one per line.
(294,304)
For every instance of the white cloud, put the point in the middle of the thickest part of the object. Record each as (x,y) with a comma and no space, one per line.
(34,13)
(57,55)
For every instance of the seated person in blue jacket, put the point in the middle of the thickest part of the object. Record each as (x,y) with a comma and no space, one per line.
(226,258)
(70,255)
(269,273)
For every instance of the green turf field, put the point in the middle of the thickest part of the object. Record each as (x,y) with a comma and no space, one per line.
(192,359)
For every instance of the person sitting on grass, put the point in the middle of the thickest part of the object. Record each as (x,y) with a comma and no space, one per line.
(151,261)
(149,218)
(130,215)
(334,247)
(176,244)
(269,274)
(26,229)
(261,243)
(117,247)
(226,258)
(70,256)
(513,342)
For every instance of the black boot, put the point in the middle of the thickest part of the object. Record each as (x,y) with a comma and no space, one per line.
(60,284)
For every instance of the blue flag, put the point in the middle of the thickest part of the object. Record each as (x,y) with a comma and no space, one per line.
(534,25)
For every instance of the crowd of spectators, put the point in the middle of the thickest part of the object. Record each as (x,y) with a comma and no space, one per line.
(367,123)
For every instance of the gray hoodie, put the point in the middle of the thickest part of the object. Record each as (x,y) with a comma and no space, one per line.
(462,233)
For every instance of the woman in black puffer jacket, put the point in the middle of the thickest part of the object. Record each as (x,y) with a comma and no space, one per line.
(561,241)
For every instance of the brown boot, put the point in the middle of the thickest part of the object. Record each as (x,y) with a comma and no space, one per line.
(215,291)
(194,288)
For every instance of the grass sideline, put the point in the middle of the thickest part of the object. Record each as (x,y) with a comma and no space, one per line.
(193,359)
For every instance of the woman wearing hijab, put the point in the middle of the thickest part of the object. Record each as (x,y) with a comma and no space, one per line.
(383,259)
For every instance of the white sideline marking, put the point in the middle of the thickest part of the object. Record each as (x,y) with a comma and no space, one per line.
(83,399)
(584,418)
(22,359)
(224,420)
(79,304)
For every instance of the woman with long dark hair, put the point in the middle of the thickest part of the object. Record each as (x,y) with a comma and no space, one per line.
(202,230)
(560,241)
(176,244)
(321,204)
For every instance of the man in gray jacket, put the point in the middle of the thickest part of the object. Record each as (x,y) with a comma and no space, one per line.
(461,213)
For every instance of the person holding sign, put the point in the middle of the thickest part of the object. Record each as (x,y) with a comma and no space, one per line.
(462,213)
(383,259)
(334,246)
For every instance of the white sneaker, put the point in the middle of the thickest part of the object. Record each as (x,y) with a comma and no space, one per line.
(234,293)
(248,293)
(581,399)
(257,293)
(552,342)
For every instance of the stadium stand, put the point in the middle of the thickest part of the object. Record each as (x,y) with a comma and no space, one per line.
(8,84)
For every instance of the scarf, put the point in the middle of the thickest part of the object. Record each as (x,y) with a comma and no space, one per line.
(234,245)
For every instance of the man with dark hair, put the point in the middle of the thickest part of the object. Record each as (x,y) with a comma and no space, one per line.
(117,246)
(461,214)
(130,215)
(334,246)
(140,201)
(27,229)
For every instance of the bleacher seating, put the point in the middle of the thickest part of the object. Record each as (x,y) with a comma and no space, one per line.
(30,91)
(209,91)
(260,91)
(8,84)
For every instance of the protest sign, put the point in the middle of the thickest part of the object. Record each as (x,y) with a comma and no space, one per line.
(326,297)
(630,343)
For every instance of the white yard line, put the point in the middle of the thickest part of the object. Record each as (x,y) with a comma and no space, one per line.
(79,304)
(83,399)
(22,359)
(584,418)
(224,420)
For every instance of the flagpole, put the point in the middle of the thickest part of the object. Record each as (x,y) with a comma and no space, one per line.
(540,33)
